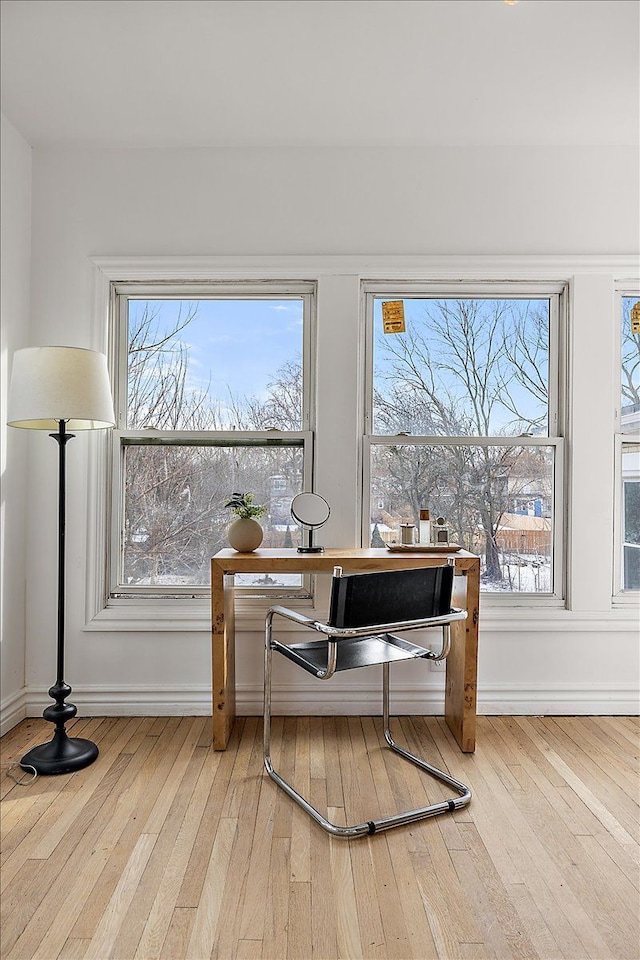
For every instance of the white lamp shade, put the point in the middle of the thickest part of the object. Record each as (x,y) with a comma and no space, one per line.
(50,384)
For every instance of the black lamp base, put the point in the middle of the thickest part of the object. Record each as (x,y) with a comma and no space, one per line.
(63,754)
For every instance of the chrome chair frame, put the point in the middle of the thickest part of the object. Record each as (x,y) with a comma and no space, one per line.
(334,635)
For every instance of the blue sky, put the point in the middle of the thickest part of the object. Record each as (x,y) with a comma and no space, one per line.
(238,345)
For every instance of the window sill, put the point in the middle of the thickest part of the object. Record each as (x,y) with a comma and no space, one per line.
(543,619)
(188,615)
(627,600)
(182,616)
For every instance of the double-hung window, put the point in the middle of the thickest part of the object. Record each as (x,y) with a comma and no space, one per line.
(464,418)
(213,397)
(627,565)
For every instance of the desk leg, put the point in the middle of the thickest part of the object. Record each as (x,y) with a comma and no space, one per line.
(462,665)
(223,657)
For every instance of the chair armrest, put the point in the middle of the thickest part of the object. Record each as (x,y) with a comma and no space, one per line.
(337,633)
(349,632)
(295,617)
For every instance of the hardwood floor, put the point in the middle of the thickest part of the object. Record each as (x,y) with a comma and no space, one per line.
(166,849)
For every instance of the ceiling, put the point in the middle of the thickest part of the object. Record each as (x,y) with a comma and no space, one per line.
(171,73)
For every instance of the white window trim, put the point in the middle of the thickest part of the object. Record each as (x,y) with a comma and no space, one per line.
(181,616)
(236,290)
(120,296)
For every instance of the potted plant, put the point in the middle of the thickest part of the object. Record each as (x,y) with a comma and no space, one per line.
(245,533)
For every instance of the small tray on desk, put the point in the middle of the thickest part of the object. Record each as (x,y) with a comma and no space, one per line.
(423,547)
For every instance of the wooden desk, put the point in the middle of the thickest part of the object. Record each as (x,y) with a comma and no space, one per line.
(461,664)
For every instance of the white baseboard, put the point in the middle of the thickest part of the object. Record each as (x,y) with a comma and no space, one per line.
(559,700)
(12,710)
(195,700)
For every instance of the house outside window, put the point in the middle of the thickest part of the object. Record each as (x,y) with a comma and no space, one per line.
(464,417)
(213,396)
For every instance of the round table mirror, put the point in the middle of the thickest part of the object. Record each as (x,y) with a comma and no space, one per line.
(310,510)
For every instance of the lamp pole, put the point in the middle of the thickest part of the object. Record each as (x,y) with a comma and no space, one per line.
(62,754)
(62,438)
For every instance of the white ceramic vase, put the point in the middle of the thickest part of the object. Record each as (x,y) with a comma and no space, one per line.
(245,535)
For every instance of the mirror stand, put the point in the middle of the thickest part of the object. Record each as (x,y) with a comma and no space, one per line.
(310,547)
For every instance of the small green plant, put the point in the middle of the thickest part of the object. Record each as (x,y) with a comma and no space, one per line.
(243,506)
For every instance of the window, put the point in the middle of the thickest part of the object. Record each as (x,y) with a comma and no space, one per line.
(628,445)
(463,418)
(212,397)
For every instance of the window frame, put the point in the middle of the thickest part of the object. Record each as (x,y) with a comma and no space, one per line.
(620,596)
(121,293)
(557,292)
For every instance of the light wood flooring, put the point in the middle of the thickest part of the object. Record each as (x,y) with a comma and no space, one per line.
(165,849)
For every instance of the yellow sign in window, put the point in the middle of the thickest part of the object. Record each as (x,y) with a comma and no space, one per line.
(393,316)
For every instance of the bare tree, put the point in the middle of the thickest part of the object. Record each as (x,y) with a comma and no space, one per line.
(157,370)
(526,341)
(457,373)
(282,407)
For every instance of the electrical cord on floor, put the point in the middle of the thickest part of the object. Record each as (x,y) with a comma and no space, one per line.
(27,767)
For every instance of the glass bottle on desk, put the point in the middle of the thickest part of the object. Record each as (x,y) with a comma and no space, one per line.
(425,527)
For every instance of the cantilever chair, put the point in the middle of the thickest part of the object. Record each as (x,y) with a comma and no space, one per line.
(364,608)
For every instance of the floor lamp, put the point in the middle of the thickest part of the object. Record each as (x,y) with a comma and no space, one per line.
(61,389)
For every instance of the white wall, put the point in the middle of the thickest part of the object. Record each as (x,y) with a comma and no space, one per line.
(267,202)
(14,323)
(494,200)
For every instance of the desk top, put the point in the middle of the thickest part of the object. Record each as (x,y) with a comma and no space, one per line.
(352,558)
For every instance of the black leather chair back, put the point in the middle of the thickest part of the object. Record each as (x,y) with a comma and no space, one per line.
(391,596)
